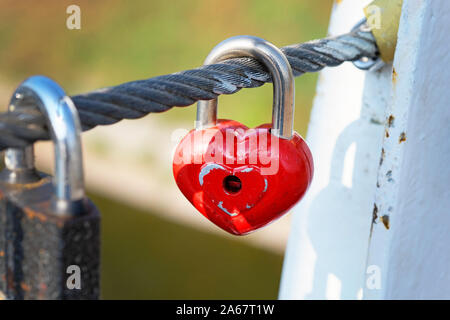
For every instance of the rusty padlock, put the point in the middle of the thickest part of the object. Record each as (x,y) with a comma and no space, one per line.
(49,230)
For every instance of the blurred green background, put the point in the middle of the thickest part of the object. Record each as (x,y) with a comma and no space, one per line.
(143,255)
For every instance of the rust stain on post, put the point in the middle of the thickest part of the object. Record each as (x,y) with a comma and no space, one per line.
(402,137)
(25,287)
(383,154)
(41,237)
(385,220)
(391,121)
(31,214)
(394,76)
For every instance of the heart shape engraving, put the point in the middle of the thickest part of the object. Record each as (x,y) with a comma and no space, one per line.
(231,187)
(244,183)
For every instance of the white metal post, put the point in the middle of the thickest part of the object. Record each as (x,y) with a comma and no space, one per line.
(376,221)
(413,199)
(327,248)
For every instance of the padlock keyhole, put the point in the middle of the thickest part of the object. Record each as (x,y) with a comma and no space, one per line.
(232,184)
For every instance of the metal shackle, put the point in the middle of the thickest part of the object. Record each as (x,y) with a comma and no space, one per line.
(282,78)
(64,126)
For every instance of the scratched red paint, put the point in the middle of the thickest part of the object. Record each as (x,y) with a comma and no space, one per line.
(242,196)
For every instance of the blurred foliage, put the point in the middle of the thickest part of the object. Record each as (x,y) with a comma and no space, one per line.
(122,41)
(144,256)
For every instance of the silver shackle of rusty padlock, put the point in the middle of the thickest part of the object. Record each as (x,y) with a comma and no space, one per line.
(282,78)
(64,126)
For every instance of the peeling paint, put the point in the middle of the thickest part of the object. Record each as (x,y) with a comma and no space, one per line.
(383,155)
(247,170)
(374,213)
(402,137)
(374,218)
(220,205)
(207,169)
(386,133)
(265,185)
(389,176)
(375,121)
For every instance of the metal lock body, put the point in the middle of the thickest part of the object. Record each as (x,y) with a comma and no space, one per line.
(240,178)
(49,230)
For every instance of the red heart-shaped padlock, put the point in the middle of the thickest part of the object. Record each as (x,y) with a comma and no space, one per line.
(241,198)
(239,178)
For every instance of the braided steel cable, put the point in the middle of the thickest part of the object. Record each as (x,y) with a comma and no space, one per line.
(136,99)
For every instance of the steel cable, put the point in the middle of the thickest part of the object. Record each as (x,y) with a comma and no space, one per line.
(136,99)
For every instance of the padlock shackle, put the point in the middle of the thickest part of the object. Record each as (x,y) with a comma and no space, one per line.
(64,127)
(282,78)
